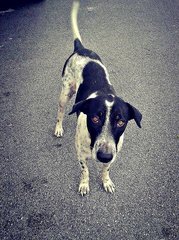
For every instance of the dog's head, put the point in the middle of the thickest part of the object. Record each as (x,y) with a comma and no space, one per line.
(107,118)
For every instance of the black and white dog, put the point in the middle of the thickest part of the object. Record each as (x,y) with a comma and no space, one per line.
(102,116)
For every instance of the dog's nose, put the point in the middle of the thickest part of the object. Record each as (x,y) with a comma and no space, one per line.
(104,157)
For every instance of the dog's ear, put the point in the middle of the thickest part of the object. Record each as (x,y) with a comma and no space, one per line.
(135,114)
(81,106)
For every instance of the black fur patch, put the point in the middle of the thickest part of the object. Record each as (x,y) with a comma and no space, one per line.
(120,111)
(97,108)
(94,80)
(80,50)
(77,45)
(88,53)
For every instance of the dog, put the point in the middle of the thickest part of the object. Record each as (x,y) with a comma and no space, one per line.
(102,116)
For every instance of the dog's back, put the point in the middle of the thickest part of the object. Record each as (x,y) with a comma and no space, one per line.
(94,74)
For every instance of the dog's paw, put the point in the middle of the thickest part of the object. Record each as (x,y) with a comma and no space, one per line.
(108,185)
(58,130)
(84,188)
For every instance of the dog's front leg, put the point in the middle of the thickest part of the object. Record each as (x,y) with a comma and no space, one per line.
(84,180)
(82,143)
(107,183)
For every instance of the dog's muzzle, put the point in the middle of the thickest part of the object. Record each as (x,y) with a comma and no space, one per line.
(104,152)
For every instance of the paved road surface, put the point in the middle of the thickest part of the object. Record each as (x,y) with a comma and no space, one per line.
(138,42)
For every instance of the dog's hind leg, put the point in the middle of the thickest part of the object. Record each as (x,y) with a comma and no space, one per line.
(67,91)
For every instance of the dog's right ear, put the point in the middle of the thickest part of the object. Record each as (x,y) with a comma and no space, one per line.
(81,106)
(135,114)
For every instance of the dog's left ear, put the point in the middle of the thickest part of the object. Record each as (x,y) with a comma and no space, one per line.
(81,106)
(135,114)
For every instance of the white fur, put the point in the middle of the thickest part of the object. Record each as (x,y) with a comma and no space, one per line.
(93,95)
(120,143)
(74,16)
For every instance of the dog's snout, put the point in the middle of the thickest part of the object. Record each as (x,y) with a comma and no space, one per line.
(104,157)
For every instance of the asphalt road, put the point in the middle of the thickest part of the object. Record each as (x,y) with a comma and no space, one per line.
(138,42)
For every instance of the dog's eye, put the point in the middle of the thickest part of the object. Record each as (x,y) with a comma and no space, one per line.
(95,119)
(120,123)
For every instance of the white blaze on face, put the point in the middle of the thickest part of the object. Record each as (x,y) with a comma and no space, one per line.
(106,126)
(105,140)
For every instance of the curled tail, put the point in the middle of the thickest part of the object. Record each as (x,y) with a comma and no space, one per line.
(74,26)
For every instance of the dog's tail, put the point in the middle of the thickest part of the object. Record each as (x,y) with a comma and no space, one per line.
(74,25)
